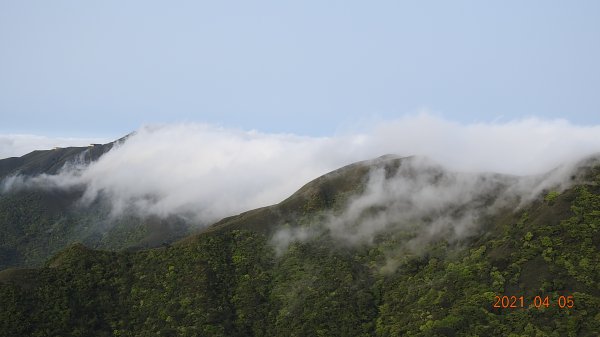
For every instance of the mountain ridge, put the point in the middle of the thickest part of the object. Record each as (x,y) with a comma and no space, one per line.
(376,248)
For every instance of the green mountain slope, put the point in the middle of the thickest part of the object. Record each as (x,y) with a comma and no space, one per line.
(235,279)
(51,161)
(37,222)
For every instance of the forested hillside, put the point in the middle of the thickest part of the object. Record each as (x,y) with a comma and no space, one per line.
(278,271)
(37,221)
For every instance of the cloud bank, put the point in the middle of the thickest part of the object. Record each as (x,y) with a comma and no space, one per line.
(208,172)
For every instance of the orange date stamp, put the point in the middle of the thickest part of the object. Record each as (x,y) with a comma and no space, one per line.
(537,302)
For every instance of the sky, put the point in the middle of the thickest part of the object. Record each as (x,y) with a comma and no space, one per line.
(89,70)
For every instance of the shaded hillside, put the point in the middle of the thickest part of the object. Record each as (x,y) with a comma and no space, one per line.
(51,161)
(37,222)
(235,279)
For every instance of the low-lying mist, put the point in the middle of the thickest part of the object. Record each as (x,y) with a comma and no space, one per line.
(204,172)
(422,201)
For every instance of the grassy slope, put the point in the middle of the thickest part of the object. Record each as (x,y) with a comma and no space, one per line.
(51,161)
(228,280)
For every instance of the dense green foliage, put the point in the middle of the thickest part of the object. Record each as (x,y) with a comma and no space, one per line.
(37,223)
(232,283)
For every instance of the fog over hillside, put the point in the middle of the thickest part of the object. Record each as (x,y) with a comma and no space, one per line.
(206,172)
(388,245)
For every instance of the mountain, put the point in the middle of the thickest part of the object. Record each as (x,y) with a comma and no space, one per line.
(386,247)
(37,222)
(51,161)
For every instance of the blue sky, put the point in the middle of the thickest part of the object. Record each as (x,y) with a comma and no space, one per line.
(103,68)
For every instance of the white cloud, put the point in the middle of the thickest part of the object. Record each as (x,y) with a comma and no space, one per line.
(212,172)
(526,146)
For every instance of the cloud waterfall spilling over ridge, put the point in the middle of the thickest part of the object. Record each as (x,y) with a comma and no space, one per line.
(210,172)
